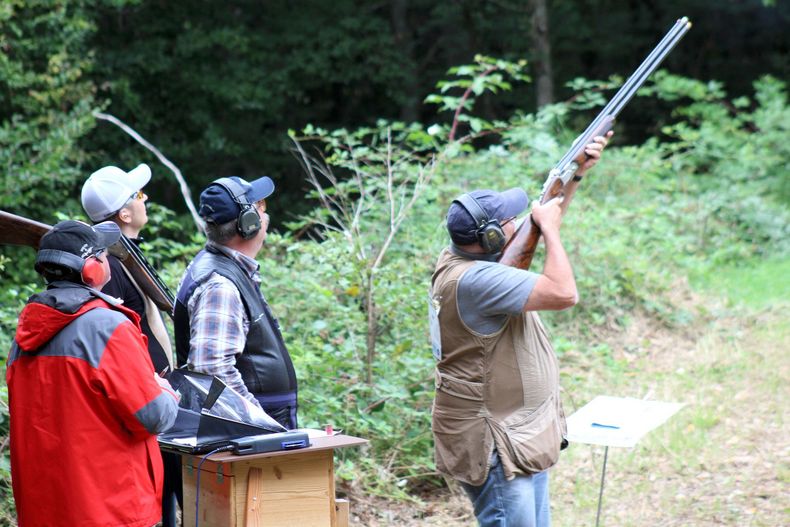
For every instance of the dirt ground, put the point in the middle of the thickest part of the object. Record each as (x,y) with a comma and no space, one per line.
(723,460)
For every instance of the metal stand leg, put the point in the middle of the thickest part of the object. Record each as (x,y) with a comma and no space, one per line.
(600,492)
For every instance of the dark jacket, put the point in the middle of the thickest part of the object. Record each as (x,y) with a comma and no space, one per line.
(122,286)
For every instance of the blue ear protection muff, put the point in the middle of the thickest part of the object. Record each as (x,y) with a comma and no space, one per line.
(92,272)
(488,231)
(249,221)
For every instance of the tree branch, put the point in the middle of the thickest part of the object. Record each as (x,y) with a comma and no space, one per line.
(461,103)
(185,192)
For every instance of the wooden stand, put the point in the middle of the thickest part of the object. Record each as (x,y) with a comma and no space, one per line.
(285,488)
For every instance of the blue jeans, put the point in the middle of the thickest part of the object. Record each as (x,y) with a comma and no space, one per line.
(520,502)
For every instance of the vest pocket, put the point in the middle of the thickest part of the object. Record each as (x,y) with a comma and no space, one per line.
(462,444)
(461,439)
(532,438)
(472,391)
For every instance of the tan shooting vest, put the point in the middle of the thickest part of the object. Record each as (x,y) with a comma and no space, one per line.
(499,390)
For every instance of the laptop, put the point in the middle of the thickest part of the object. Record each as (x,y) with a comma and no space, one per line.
(195,433)
(211,415)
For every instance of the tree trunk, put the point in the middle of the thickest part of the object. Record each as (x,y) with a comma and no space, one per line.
(541,52)
(404,40)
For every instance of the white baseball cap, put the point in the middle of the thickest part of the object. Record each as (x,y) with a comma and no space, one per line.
(108,189)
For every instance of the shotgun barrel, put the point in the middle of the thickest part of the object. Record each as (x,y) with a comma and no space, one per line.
(520,249)
(146,276)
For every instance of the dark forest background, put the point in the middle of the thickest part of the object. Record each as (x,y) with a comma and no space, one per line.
(216,85)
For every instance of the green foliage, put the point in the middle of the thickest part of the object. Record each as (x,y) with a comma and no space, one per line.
(589,93)
(45,102)
(487,75)
(387,168)
(216,87)
(758,284)
(740,151)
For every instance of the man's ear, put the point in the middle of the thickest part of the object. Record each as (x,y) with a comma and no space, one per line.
(124,215)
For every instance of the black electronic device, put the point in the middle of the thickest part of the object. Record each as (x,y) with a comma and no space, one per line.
(200,433)
(259,444)
(211,415)
(488,231)
(249,221)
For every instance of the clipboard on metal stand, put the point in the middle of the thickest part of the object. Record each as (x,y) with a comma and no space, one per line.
(617,422)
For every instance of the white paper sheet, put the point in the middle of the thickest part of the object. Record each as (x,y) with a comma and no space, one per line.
(188,441)
(618,421)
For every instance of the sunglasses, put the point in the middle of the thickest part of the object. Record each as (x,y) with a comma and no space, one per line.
(508,220)
(137,195)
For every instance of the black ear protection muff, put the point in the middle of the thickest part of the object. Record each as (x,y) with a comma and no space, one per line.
(249,221)
(92,272)
(488,231)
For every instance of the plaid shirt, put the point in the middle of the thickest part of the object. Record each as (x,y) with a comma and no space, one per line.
(219,324)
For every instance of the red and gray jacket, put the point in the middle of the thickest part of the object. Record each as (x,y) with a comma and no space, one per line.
(85,410)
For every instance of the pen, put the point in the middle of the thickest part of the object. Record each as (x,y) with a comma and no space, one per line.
(164,371)
(599,425)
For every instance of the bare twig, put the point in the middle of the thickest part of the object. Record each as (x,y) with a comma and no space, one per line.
(330,203)
(348,205)
(180,178)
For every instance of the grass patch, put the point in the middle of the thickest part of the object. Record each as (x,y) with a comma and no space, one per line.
(757,284)
(720,461)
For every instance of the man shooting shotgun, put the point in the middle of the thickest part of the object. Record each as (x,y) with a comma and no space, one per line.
(565,176)
(498,422)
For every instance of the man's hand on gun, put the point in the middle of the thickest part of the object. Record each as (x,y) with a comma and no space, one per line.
(593,151)
(549,215)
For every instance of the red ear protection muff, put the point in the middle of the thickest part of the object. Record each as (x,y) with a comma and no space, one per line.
(488,231)
(92,271)
(249,221)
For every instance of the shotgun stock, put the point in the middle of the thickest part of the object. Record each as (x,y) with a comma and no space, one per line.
(520,249)
(17,230)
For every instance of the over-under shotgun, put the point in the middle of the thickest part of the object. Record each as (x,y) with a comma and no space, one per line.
(521,247)
(17,230)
